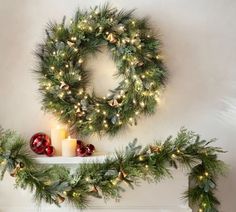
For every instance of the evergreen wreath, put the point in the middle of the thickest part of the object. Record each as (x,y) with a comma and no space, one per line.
(56,184)
(63,77)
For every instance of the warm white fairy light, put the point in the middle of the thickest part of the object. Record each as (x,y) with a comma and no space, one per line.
(142,104)
(61,94)
(73,38)
(80,60)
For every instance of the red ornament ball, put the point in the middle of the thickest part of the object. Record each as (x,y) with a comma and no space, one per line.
(90,149)
(80,143)
(39,142)
(81,151)
(49,151)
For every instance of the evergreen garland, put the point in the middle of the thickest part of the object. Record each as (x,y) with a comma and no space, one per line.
(152,163)
(63,77)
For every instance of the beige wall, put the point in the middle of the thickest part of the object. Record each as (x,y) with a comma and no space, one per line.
(199,40)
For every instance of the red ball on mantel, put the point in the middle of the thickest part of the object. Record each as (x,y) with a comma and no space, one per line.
(49,151)
(90,149)
(39,142)
(83,150)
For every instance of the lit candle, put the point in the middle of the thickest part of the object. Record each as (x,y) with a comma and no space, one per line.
(69,147)
(57,135)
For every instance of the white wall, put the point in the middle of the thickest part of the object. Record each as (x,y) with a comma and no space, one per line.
(200,52)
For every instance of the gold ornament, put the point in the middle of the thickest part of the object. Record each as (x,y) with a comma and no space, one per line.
(155,149)
(60,199)
(113,103)
(111,38)
(79,112)
(64,86)
(70,44)
(122,175)
(15,170)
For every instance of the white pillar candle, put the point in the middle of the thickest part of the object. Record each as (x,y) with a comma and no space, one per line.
(69,147)
(57,135)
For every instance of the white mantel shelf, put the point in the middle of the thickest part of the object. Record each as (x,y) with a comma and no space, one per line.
(97,157)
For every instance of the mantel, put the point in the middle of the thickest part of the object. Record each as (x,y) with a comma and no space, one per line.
(97,157)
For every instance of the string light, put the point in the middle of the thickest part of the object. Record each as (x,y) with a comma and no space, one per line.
(141,158)
(52,67)
(61,95)
(74,194)
(206,174)
(80,61)
(142,104)
(200,177)
(4,162)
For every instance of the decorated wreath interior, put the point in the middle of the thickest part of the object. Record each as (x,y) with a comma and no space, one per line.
(63,76)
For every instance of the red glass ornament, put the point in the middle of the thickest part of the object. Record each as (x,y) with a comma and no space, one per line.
(81,151)
(49,151)
(90,149)
(80,143)
(39,142)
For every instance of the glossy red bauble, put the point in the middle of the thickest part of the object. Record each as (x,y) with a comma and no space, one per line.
(90,149)
(49,151)
(39,142)
(80,143)
(81,151)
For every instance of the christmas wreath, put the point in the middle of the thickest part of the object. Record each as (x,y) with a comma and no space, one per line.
(63,77)
(56,184)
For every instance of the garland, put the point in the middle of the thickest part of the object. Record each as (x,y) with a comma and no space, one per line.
(56,183)
(63,77)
